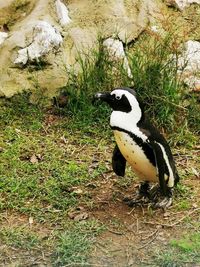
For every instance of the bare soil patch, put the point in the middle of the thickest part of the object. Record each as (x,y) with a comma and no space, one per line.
(135,236)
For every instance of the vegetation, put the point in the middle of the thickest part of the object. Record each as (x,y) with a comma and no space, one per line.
(40,171)
(51,156)
(181,252)
(156,79)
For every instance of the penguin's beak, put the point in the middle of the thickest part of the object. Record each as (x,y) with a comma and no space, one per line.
(107,97)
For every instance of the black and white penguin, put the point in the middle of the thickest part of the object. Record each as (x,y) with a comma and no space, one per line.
(140,144)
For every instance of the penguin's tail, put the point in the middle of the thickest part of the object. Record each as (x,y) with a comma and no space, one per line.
(177,178)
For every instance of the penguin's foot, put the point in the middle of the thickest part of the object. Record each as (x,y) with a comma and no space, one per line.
(163,203)
(137,200)
(141,197)
(154,193)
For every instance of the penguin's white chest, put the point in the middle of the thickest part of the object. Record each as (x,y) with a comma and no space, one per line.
(136,157)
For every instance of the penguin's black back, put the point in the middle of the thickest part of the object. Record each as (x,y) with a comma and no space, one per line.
(154,135)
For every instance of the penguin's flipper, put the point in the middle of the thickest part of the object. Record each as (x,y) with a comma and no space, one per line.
(118,162)
(166,193)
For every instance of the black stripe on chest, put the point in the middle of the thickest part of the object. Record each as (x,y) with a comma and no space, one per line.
(148,151)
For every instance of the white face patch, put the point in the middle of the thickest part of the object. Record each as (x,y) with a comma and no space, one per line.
(127,120)
(119,93)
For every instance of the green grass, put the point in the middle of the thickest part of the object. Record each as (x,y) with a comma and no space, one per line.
(181,252)
(189,243)
(156,81)
(64,144)
(155,78)
(44,189)
(19,237)
(75,243)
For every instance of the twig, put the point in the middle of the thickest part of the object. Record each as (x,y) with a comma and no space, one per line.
(152,234)
(149,242)
(115,232)
(175,223)
(83,264)
(169,102)
(137,225)
(131,210)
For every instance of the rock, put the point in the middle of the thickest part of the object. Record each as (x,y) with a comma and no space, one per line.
(40,30)
(45,39)
(4,3)
(182,4)
(193,83)
(62,13)
(78,191)
(189,64)
(116,50)
(83,39)
(126,19)
(80,217)
(78,214)
(3,36)
(191,56)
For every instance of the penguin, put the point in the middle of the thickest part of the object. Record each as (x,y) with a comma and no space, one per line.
(140,144)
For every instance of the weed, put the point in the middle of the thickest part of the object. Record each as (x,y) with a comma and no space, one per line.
(98,72)
(193,109)
(181,252)
(155,78)
(183,205)
(19,237)
(189,243)
(74,245)
(154,65)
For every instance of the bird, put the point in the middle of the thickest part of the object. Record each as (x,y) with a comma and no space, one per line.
(140,143)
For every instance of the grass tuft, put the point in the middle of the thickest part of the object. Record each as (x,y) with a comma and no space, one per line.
(154,64)
(19,237)
(181,252)
(189,243)
(74,244)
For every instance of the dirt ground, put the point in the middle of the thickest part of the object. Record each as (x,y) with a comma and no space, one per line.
(135,236)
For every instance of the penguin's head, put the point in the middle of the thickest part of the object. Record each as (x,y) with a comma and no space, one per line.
(124,104)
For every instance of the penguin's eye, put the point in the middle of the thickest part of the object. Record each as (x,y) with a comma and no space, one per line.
(117,97)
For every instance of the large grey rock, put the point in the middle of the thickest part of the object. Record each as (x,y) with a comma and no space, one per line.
(80,23)
(116,51)
(3,36)
(4,3)
(182,4)
(45,39)
(189,64)
(62,13)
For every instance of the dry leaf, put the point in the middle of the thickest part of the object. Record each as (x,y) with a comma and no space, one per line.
(195,205)
(30,220)
(72,214)
(34,159)
(39,156)
(81,216)
(78,191)
(195,172)
(17,130)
